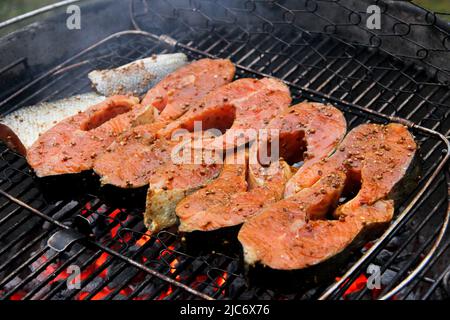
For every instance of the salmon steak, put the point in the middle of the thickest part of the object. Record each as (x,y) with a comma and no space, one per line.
(238,109)
(298,232)
(172,183)
(311,129)
(128,164)
(243,104)
(72,145)
(183,89)
(215,197)
(177,93)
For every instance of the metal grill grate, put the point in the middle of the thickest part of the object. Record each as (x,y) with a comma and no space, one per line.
(122,262)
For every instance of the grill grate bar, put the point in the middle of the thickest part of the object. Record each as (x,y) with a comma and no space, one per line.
(111,277)
(415,258)
(441,277)
(99,246)
(375,249)
(385,266)
(92,259)
(35,273)
(268,62)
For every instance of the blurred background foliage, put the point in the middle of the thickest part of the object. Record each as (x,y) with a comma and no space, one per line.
(12,8)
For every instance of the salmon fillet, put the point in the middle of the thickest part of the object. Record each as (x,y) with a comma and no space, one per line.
(72,145)
(314,127)
(194,210)
(295,233)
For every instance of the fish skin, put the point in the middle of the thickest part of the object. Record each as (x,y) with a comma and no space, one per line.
(320,127)
(21,128)
(136,77)
(380,156)
(72,144)
(170,183)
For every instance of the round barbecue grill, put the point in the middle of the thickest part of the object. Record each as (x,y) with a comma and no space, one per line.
(324,50)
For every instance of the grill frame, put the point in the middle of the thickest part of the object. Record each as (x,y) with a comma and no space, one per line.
(346,280)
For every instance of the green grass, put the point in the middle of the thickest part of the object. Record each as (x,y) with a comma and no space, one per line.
(435,5)
(12,8)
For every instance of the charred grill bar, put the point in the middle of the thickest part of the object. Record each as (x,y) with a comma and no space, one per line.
(363,73)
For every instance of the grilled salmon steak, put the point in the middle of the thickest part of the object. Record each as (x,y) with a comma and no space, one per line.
(245,106)
(177,93)
(182,90)
(215,197)
(130,162)
(72,145)
(226,202)
(295,233)
(160,215)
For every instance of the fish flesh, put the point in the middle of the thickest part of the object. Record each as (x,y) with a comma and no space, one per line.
(203,209)
(249,103)
(278,236)
(311,129)
(137,77)
(72,145)
(295,233)
(131,159)
(240,109)
(182,90)
(21,128)
(170,183)
(128,165)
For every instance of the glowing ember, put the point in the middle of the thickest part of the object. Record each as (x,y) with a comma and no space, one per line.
(357,285)
(18,296)
(173,266)
(143,240)
(199,280)
(165,294)
(220,281)
(167,251)
(87,208)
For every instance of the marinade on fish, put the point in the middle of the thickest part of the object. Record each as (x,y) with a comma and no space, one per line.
(131,159)
(170,183)
(258,101)
(72,145)
(240,109)
(296,232)
(250,103)
(311,129)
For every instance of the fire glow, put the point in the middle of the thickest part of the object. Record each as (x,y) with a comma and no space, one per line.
(359,284)
(99,271)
